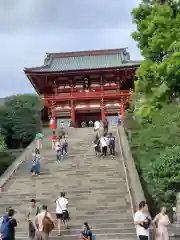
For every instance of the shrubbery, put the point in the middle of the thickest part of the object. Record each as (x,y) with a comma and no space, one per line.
(156,150)
(6,158)
(20,119)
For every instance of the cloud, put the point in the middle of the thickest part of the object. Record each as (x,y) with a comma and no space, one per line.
(30,28)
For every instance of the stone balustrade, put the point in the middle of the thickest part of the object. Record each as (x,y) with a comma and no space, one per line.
(134,181)
(11,170)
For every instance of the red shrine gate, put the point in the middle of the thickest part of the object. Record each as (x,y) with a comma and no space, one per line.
(87,85)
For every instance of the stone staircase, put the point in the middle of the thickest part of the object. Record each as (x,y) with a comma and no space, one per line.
(96,190)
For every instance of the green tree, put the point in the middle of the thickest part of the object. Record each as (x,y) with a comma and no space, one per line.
(158,37)
(20,119)
(6,158)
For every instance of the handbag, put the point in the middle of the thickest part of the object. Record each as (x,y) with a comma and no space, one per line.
(48,224)
(147,224)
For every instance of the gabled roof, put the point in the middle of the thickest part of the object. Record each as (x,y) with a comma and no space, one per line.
(98,59)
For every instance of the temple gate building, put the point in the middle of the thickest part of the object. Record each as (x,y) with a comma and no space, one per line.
(85,85)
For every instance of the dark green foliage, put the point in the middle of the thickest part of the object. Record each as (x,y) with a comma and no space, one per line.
(156,150)
(6,159)
(20,119)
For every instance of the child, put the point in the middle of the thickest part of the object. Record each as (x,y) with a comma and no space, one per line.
(54,139)
(97,145)
(58,151)
(64,145)
(112,144)
(58,148)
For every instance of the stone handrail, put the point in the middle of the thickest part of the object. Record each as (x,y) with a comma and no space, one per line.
(135,186)
(134,181)
(10,171)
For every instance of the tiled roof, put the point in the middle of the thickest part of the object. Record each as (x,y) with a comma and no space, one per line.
(56,62)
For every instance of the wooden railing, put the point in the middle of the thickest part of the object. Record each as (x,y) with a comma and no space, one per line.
(86,95)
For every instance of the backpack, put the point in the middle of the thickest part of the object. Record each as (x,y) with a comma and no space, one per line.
(48,225)
(112,141)
(1,220)
(4,228)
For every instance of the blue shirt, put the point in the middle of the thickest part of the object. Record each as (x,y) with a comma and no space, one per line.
(87,234)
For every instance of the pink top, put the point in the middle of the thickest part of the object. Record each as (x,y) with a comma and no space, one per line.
(53,137)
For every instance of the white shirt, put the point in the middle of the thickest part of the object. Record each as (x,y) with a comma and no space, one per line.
(104,141)
(58,148)
(139,217)
(57,143)
(96,125)
(61,205)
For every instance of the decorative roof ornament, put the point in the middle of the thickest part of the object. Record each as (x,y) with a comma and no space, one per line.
(46,60)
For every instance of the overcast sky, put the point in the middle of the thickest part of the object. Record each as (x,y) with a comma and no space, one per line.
(30,28)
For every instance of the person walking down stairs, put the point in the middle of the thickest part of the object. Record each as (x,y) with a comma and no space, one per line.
(32,212)
(58,149)
(104,144)
(53,140)
(35,167)
(44,224)
(62,213)
(112,144)
(64,145)
(39,137)
(96,145)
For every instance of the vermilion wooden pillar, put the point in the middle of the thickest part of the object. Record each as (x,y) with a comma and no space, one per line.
(54,118)
(102,109)
(122,111)
(52,122)
(73,118)
(102,113)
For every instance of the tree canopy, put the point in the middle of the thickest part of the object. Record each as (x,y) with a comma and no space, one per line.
(154,119)
(158,38)
(20,119)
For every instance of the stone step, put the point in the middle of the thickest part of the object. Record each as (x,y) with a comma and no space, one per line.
(102,218)
(74,225)
(109,188)
(100,236)
(76,213)
(96,190)
(97,205)
(96,230)
(52,197)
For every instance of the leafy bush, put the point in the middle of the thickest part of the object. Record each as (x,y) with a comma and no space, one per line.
(20,119)
(6,158)
(156,150)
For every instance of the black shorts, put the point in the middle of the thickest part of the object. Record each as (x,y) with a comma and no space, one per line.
(59,215)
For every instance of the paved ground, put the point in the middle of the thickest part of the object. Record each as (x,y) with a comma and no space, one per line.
(96,190)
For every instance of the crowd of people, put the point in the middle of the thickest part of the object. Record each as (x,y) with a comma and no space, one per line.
(59,146)
(40,221)
(104,140)
(143,223)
